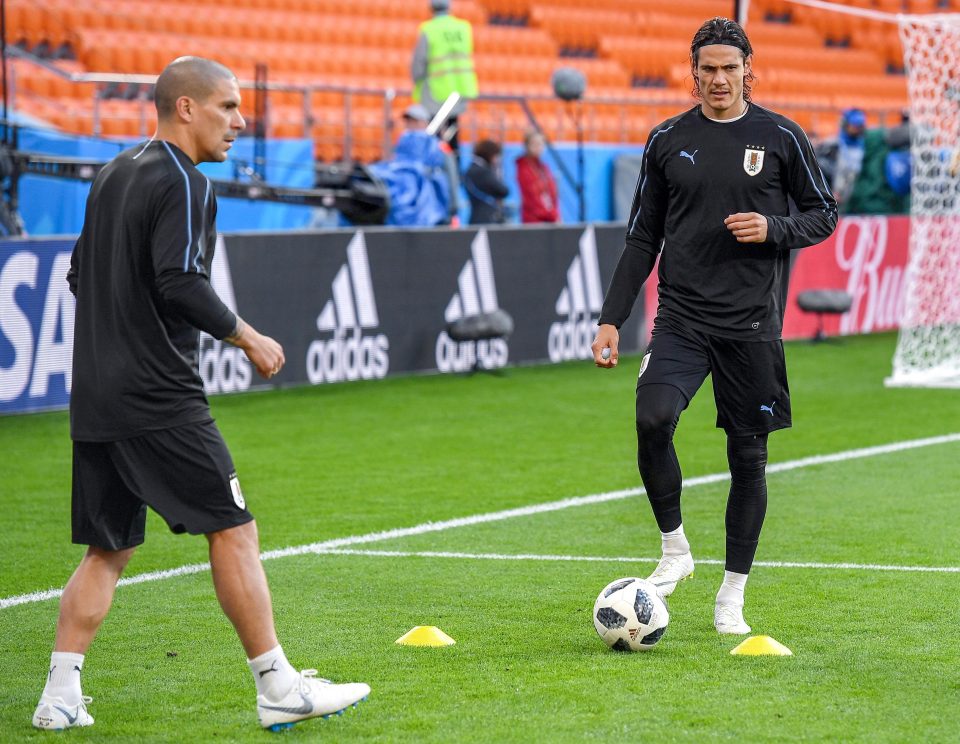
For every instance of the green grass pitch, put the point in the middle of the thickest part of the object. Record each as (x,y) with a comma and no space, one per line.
(875,650)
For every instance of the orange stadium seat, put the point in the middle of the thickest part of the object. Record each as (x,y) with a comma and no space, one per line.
(578,27)
(17,13)
(512,40)
(924,6)
(509,8)
(645,58)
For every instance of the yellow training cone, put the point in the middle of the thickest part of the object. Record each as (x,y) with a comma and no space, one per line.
(425,635)
(761,646)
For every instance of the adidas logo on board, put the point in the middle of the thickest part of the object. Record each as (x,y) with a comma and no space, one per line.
(579,300)
(349,354)
(224,368)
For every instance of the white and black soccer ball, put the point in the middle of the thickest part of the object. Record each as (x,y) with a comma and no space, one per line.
(629,615)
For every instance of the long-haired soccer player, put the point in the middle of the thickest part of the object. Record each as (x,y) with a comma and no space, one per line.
(712,203)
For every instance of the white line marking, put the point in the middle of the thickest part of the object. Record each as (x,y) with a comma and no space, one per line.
(170,573)
(524,511)
(623,559)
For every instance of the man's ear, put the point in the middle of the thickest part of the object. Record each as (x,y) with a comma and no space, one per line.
(185,106)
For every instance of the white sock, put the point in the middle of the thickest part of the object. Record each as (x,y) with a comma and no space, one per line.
(273,674)
(675,542)
(63,679)
(731,590)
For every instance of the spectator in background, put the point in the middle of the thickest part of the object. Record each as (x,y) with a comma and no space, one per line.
(435,153)
(484,184)
(883,183)
(538,188)
(421,177)
(443,64)
(849,155)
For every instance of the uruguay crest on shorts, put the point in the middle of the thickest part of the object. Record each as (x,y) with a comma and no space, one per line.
(752,161)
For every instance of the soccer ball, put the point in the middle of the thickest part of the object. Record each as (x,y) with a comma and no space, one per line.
(629,615)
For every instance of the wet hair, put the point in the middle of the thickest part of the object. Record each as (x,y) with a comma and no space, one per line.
(195,77)
(487,150)
(721,30)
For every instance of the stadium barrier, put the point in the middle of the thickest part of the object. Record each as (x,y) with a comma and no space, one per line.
(351,305)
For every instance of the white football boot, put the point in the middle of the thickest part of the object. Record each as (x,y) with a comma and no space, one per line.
(728,619)
(55,715)
(309,698)
(670,571)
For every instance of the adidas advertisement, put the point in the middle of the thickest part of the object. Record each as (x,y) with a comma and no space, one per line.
(349,349)
(344,304)
(579,305)
(224,368)
(476,293)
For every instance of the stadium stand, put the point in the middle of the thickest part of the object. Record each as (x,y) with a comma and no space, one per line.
(810,63)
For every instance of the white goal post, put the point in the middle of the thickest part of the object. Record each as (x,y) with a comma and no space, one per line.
(928,349)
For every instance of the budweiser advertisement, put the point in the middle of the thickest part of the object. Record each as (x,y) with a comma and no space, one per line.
(866,258)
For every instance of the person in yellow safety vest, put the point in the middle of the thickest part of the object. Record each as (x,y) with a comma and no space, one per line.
(443,64)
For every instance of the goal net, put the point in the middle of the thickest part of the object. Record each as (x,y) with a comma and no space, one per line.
(928,350)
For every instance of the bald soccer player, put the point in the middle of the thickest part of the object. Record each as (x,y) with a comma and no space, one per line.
(140,422)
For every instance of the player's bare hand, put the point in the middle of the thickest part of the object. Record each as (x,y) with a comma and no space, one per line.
(265,354)
(747,227)
(605,346)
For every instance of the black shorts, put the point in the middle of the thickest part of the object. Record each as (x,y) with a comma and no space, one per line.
(184,474)
(749,377)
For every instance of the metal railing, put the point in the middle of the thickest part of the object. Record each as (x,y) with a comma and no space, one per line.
(497,116)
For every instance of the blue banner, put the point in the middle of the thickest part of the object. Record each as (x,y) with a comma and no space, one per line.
(55,206)
(36,325)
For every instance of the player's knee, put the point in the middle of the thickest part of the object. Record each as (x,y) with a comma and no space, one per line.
(658,411)
(115,559)
(747,455)
(241,535)
(654,424)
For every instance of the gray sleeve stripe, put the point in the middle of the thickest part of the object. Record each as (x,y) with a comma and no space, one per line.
(643,170)
(806,166)
(186,181)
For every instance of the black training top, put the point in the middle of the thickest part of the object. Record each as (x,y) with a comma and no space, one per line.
(140,272)
(696,172)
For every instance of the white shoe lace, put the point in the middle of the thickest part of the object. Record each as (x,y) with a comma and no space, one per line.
(667,564)
(311,674)
(729,616)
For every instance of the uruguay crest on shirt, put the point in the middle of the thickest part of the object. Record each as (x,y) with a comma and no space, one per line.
(752,161)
